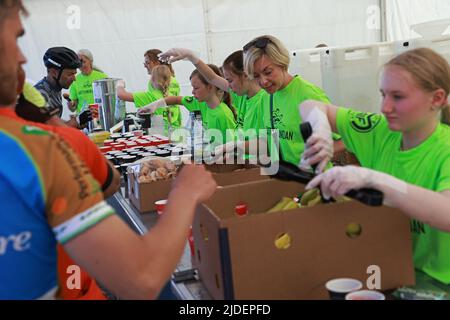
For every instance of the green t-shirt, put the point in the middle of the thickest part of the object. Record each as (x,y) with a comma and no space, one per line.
(174,87)
(286,116)
(220,118)
(142,99)
(81,89)
(249,110)
(428,166)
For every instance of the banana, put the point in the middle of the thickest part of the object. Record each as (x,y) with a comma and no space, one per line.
(314,201)
(308,196)
(291,205)
(284,242)
(280,205)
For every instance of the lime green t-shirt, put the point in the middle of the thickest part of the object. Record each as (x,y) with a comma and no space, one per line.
(174,87)
(142,99)
(220,118)
(286,116)
(249,110)
(81,89)
(427,165)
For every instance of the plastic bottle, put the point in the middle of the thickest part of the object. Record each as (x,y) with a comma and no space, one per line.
(197,137)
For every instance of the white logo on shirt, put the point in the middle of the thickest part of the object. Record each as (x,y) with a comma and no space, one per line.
(19,242)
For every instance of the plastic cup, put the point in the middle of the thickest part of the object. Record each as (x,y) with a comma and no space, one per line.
(339,288)
(138,133)
(94,109)
(160,206)
(365,295)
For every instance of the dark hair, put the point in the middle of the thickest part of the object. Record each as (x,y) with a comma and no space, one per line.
(235,63)
(226,96)
(7,5)
(152,55)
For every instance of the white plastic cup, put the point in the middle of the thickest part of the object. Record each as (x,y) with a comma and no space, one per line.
(365,295)
(339,288)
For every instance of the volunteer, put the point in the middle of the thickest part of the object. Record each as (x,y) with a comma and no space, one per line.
(161,81)
(267,61)
(61,64)
(54,198)
(246,94)
(213,103)
(405,152)
(81,92)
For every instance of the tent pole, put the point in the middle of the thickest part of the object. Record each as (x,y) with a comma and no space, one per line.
(383,16)
(207,30)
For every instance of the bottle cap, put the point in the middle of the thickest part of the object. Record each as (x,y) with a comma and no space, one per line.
(241,209)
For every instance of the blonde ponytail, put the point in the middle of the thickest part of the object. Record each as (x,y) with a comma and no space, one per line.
(161,76)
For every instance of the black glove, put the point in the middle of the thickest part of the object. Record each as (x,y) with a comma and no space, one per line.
(84,117)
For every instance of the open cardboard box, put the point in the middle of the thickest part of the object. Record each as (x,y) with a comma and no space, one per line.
(237,257)
(144,195)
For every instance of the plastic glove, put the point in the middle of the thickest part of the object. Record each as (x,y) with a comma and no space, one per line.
(177,54)
(319,147)
(338,181)
(229,149)
(120,83)
(84,117)
(151,108)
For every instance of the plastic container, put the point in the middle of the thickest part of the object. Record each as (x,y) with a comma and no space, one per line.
(351,75)
(306,64)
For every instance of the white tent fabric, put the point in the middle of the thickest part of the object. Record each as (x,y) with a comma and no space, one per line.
(119,32)
(402,14)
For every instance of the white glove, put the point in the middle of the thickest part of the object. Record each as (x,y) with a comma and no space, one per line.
(228,149)
(319,147)
(120,83)
(151,108)
(177,54)
(338,181)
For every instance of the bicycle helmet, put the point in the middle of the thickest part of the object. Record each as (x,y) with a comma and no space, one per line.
(61,58)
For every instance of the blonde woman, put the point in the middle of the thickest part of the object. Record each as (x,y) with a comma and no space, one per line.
(267,60)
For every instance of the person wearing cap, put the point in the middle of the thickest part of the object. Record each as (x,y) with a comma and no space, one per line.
(81,92)
(61,64)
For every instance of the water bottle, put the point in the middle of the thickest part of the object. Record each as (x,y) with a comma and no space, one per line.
(197,137)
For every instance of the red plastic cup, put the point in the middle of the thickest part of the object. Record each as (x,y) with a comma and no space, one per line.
(160,206)
(106,149)
(138,133)
(94,110)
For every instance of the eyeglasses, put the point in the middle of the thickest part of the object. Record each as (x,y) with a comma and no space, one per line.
(260,43)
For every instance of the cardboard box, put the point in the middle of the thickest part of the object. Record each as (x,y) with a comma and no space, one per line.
(237,257)
(144,195)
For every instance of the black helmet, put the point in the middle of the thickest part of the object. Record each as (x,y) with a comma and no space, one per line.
(61,58)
